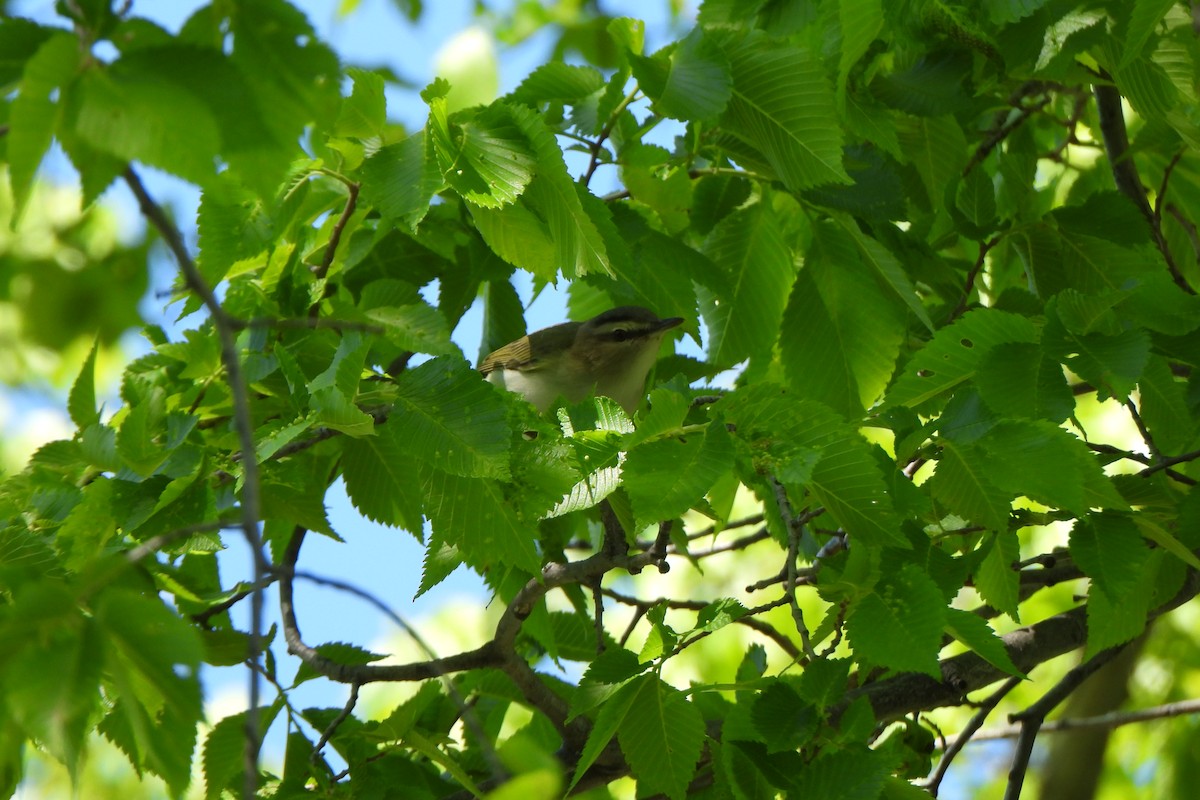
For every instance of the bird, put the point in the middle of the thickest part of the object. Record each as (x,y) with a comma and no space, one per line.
(610,354)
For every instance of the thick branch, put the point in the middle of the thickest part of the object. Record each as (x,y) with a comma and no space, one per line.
(895,697)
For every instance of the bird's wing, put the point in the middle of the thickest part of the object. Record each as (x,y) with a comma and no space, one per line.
(514,355)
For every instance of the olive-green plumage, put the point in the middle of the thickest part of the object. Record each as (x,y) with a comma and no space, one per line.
(610,355)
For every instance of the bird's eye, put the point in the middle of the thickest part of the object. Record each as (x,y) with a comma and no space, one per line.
(620,335)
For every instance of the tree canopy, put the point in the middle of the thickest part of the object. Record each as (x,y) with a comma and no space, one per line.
(937,261)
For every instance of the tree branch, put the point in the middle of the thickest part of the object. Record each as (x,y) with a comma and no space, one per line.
(244,426)
(966,734)
(893,698)
(1125,172)
(1033,717)
(335,235)
(1115,719)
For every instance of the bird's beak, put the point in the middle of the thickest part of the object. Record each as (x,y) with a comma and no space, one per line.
(667,324)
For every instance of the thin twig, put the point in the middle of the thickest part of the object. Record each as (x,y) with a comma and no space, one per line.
(470,719)
(1161,197)
(1114,719)
(972,276)
(1124,169)
(598,620)
(1189,228)
(1031,719)
(794,530)
(244,426)
(335,236)
(1002,131)
(966,734)
(642,606)
(605,132)
(1170,461)
(1155,453)
(156,543)
(332,727)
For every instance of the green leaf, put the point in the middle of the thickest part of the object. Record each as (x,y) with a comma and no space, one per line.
(87,530)
(848,483)
(441,559)
(782,104)
(52,675)
(547,229)
(788,435)
(660,270)
(1166,540)
(233,226)
(19,41)
(662,735)
(335,410)
(611,718)
(224,756)
(1019,379)
(256,156)
(756,272)
(1111,622)
(1107,215)
(225,749)
(976,199)
(929,87)
(888,268)
(137,114)
(996,578)
(853,773)
(1110,550)
(1089,313)
(594,432)
(155,657)
(785,721)
(381,478)
(485,156)
(1162,402)
(962,484)
(1093,265)
(401,180)
(937,148)
(861,21)
(955,352)
(691,82)
(473,515)
(1112,364)
(652,179)
(558,82)
(345,371)
(452,419)
(899,624)
(842,354)
(275,435)
(286,66)
(140,437)
(1046,463)
(81,403)
(342,653)
(364,112)
(293,491)
(417,327)
(974,631)
(665,478)
(1002,12)
(34,117)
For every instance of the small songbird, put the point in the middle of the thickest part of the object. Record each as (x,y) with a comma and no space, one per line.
(609,355)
